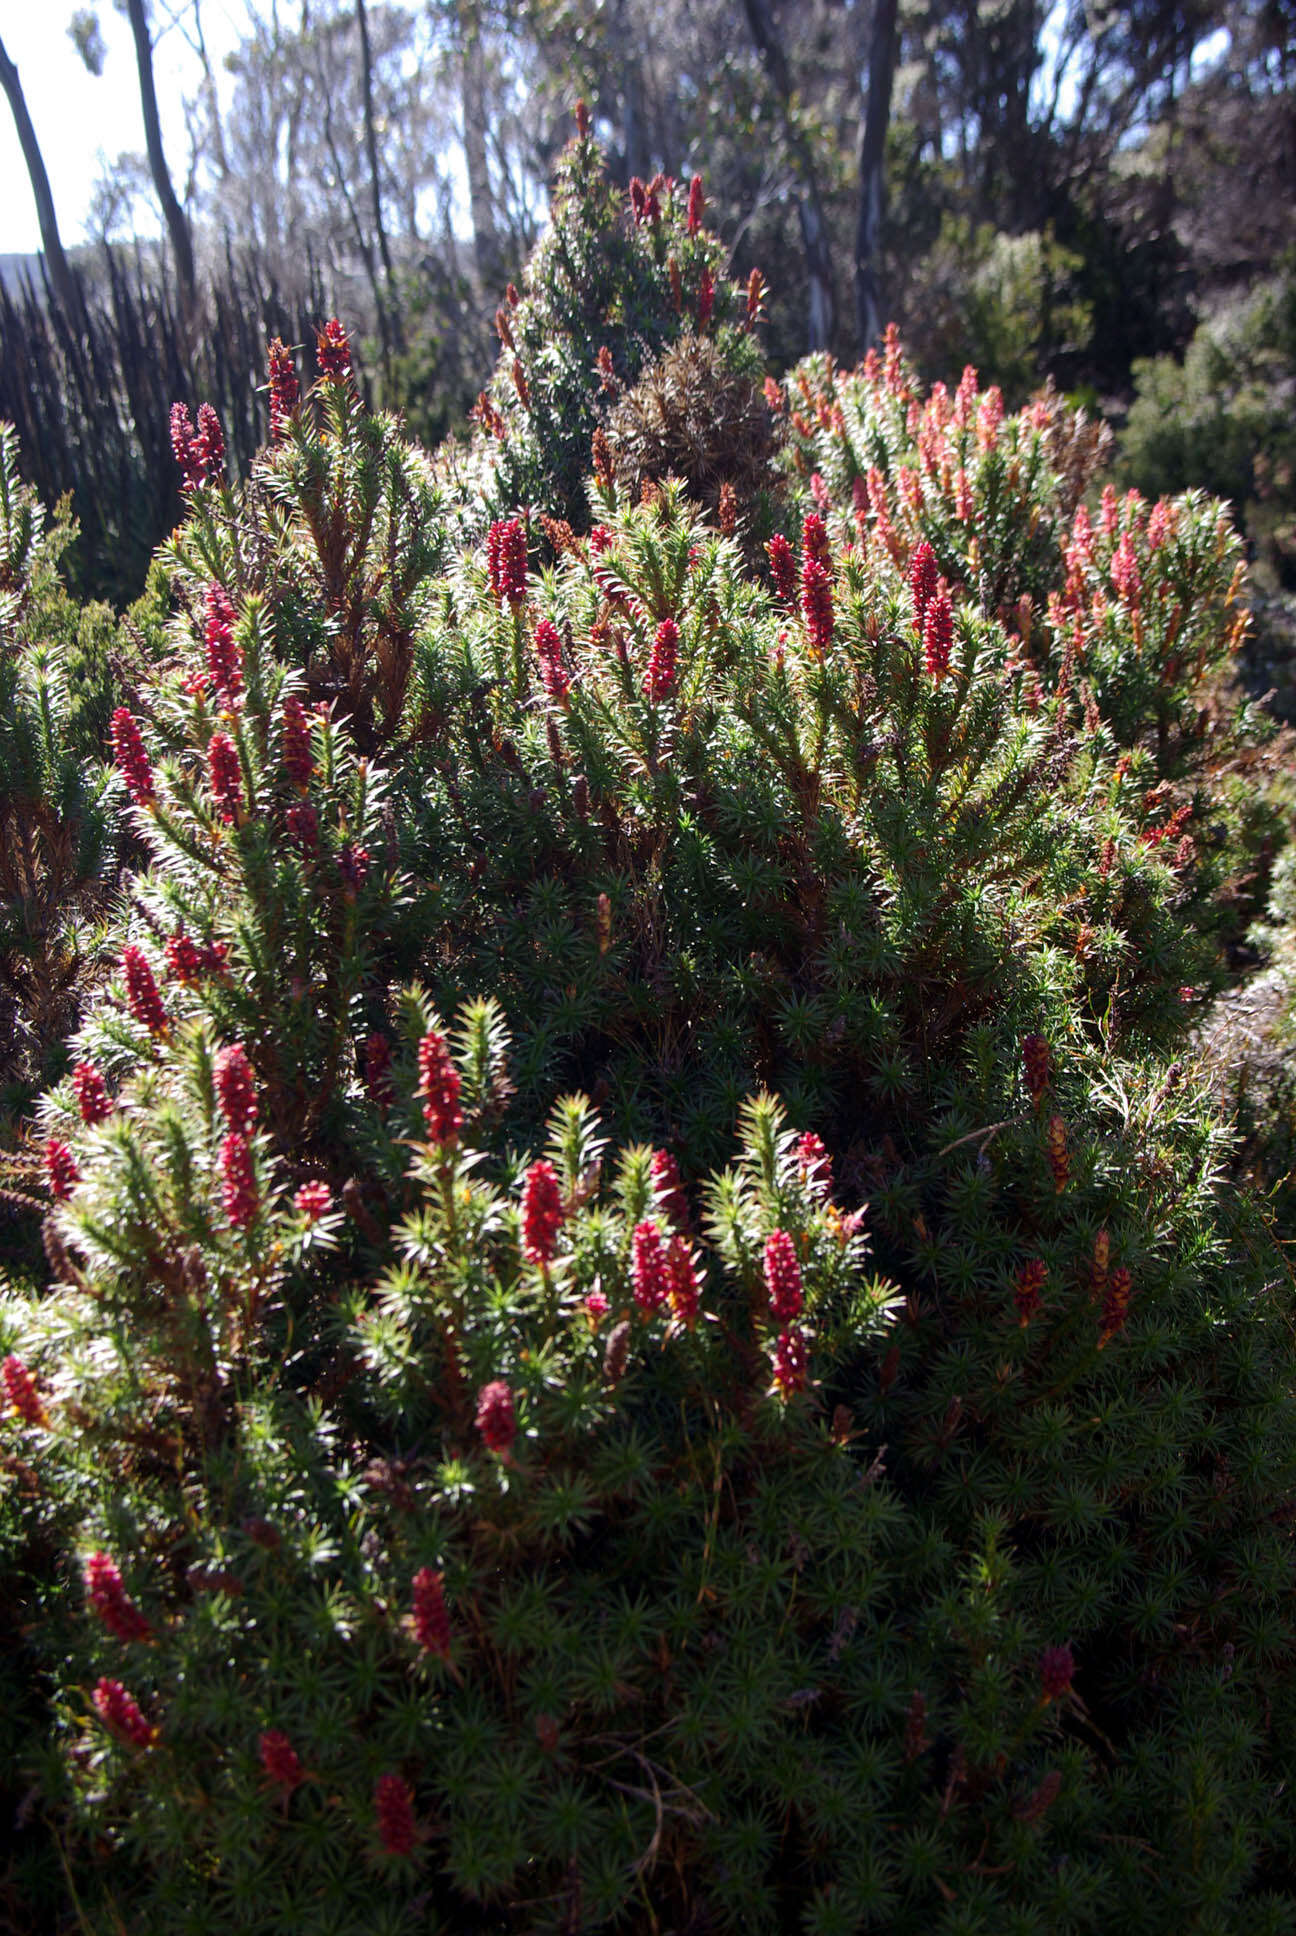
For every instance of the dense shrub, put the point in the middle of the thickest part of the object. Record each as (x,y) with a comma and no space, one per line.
(478,1461)
(617,278)
(1222,417)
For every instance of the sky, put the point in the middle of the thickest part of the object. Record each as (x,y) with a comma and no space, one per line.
(77,118)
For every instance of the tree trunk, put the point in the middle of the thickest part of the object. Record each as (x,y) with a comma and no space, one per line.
(481,202)
(56,262)
(387,314)
(872,171)
(172,213)
(814,227)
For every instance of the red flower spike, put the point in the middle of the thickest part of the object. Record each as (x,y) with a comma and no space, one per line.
(431,1615)
(923,580)
(285,393)
(597,1307)
(659,680)
(280,1760)
(21,1391)
(61,1169)
(333,352)
(314,1200)
(224,656)
(649,1272)
(1056,1148)
(513,562)
(685,1291)
(120,1714)
(225,776)
(393,1800)
(817,606)
(129,753)
(814,540)
(782,567)
(238,1180)
(184,443)
(298,758)
(542,1212)
(303,825)
(706,296)
(783,1277)
(790,1361)
(184,959)
(1056,1672)
(495,1417)
(815,1164)
(938,636)
(696,204)
(439,1085)
(1037,1064)
(755,295)
(548,643)
(1028,1288)
(110,1600)
(581,113)
(93,1100)
(353,866)
(210,445)
(236,1088)
(142,996)
(668,1188)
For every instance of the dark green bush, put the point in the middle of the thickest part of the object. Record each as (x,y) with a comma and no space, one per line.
(480,1460)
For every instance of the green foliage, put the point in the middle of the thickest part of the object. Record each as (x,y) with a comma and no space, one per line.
(615,280)
(57,844)
(1222,418)
(1008,303)
(473,1418)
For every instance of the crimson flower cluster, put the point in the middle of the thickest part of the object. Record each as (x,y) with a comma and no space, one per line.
(542,1212)
(131,758)
(284,391)
(431,1615)
(938,636)
(224,655)
(142,997)
(236,1088)
(659,680)
(21,1390)
(333,352)
(506,561)
(110,1600)
(225,775)
(650,1275)
(93,1100)
(61,1169)
(496,1419)
(783,1277)
(199,450)
(121,1715)
(394,1814)
(298,758)
(549,652)
(782,567)
(238,1180)
(439,1085)
(280,1760)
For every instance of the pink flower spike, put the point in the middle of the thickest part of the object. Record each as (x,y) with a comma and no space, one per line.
(783,1277)
(542,1212)
(495,1417)
(280,1760)
(394,1814)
